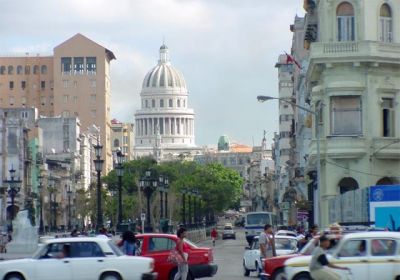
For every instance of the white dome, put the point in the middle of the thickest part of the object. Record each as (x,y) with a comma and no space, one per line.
(164,75)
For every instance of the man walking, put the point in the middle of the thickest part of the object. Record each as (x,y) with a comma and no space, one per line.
(266,242)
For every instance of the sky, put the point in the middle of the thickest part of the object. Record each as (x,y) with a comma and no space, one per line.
(226,50)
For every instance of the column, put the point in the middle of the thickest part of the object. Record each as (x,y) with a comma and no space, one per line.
(145,127)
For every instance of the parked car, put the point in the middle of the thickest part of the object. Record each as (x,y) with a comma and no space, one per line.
(284,245)
(369,255)
(286,233)
(158,246)
(228,232)
(78,258)
(274,267)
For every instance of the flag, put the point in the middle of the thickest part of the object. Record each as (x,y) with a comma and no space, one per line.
(290,60)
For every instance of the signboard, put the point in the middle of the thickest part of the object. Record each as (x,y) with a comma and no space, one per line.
(143,216)
(302,215)
(245,203)
(384,206)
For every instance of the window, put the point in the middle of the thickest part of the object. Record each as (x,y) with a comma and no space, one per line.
(11,85)
(161,103)
(79,66)
(43,69)
(161,244)
(11,100)
(388,117)
(23,100)
(93,83)
(43,85)
(353,248)
(27,69)
(345,22)
(383,247)
(178,103)
(346,115)
(66,114)
(116,142)
(385,22)
(93,113)
(85,250)
(10,70)
(65,83)
(91,65)
(19,70)
(153,103)
(347,184)
(75,84)
(36,69)
(93,98)
(125,139)
(65,98)
(75,99)
(2,70)
(43,101)
(23,84)
(170,103)
(146,103)
(184,103)
(66,66)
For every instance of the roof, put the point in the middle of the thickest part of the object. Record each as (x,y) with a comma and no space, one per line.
(77,239)
(373,234)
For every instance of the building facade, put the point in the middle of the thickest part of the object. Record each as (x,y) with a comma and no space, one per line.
(165,123)
(122,136)
(353,81)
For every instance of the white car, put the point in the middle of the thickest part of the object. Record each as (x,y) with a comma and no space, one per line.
(286,233)
(78,258)
(284,245)
(369,255)
(228,233)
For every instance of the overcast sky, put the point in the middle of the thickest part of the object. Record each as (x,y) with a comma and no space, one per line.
(226,50)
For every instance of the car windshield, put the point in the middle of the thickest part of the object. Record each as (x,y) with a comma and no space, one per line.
(228,228)
(257,219)
(41,250)
(115,248)
(285,244)
(191,243)
(310,246)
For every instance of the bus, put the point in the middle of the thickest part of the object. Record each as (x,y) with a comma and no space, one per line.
(255,221)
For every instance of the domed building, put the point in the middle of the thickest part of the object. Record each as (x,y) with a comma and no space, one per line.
(164,124)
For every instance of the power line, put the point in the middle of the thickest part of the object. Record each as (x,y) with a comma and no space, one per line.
(358,171)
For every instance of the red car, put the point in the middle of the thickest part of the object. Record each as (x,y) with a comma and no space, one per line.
(274,267)
(158,246)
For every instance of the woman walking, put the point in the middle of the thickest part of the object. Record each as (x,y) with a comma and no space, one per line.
(128,243)
(183,250)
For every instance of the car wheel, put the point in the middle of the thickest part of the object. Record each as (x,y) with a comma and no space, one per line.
(279,274)
(110,276)
(14,276)
(246,272)
(302,276)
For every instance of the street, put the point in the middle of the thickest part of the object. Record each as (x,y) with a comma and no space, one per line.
(228,254)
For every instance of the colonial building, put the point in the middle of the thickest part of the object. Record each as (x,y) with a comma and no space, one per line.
(353,82)
(165,123)
(122,136)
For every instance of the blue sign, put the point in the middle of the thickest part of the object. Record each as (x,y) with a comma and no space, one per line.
(384,193)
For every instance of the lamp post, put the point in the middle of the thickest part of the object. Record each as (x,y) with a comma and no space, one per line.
(148,186)
(69,194)
(12,191)
(189,194)
(194,195)
(98,165)
(316,113)
(40,187)
(183,191)
(161,189)
(120,173)
(166,187)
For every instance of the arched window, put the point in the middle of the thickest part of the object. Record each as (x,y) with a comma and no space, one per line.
(10,70)
(170,103)
(43,69)
(36,69)
(2,70)
(116,142)
(345,22)
(19,70)
(385,24)
(347,184)
(387,181)
(27,70)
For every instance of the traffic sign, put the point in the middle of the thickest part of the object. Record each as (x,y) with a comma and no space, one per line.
(143,216)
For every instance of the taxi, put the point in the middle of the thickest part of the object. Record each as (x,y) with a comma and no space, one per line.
(369,255)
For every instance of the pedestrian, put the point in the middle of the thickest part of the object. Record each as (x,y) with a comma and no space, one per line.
(214,235)
(128,244)
(183,250)
(312,232)
(74,233)
(3,242)
(319,263)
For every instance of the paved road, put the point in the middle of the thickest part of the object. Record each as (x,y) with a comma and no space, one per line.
(228,254)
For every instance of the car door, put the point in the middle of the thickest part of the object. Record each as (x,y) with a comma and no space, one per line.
(52,264)
(158,248)
(383,258)
(254,254)
(87,260)
(350,255)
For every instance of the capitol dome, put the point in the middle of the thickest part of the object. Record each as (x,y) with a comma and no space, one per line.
(164,75)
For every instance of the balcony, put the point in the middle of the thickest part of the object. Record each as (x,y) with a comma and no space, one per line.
(385,148)
(338,147)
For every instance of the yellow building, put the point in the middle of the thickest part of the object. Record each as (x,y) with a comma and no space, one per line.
(75,81)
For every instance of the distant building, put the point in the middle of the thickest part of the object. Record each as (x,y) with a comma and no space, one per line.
(165,123)
(122,136)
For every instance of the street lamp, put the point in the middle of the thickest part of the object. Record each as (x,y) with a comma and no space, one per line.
(98,165)
(184,191)
(148,186)
(166,187)
(316,113)
(161,189)
(69,194)
(40,187)
(12,191)
(120,173)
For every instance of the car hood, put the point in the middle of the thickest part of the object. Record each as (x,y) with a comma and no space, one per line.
(284,252)
(15,262)
(298,261)
(282,257)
